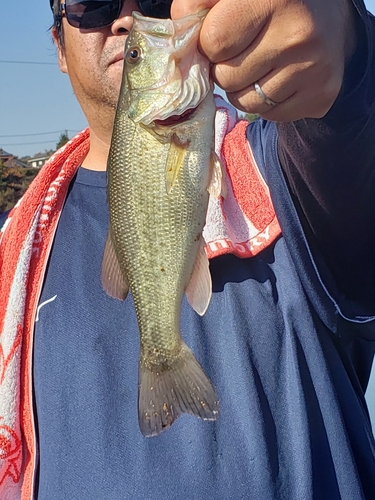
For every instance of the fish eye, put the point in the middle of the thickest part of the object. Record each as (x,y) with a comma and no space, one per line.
(133,55)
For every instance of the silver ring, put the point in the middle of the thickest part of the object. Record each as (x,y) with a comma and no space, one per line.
(263,96)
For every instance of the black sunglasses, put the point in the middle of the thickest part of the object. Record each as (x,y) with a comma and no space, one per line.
(91,14)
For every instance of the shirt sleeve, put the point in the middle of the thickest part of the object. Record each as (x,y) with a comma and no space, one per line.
(329,167)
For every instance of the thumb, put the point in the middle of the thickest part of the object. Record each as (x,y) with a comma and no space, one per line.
(183,8)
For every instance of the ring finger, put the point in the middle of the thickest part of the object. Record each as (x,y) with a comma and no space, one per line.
(265,94)
(287,87)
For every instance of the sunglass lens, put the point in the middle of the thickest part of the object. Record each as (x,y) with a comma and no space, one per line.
(155,8)
(92,14)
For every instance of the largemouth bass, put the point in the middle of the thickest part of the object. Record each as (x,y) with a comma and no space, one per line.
(160,167)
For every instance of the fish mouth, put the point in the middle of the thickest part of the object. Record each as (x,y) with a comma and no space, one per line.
(176,119)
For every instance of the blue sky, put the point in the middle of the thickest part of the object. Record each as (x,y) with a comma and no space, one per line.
(37,98)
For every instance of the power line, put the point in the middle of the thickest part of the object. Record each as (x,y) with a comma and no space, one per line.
(28,62)
(29,143)
(41,133)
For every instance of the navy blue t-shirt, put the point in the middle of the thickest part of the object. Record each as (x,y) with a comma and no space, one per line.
(292,424)
(287,348)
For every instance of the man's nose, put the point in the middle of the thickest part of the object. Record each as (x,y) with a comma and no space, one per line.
(124,23)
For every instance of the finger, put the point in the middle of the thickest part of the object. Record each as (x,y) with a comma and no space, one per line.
(295,99)
(220,40)
(301,105)
(182,8)
(272,48)
(281,82)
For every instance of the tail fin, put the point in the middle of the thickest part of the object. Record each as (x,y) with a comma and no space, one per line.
(164,394)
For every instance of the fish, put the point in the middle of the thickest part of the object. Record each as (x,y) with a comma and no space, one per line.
(161,171)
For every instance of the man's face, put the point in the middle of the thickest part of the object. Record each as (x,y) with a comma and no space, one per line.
(93,59)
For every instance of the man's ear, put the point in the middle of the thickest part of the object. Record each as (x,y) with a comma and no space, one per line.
(60,50)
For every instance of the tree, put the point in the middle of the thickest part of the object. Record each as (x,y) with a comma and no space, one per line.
(2,173)
(64,138)
(13,183)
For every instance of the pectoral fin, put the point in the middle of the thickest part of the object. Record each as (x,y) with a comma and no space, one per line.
(113,280)
(217,186)
(199,290)
(175,160)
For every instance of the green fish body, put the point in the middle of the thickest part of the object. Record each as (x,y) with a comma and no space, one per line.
(160,168)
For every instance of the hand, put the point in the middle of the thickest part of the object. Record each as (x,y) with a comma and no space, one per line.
(295,49)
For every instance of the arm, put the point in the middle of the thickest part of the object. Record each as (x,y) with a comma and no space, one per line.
(329,165)
(299,52)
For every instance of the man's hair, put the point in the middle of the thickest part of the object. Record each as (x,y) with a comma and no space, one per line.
(57,21)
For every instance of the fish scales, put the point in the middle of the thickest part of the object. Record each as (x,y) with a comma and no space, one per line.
(155,232)
(142,227)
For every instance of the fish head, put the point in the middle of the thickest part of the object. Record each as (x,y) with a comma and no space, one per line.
(164,73)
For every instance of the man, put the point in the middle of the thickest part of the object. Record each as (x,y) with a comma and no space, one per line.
(288,338)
